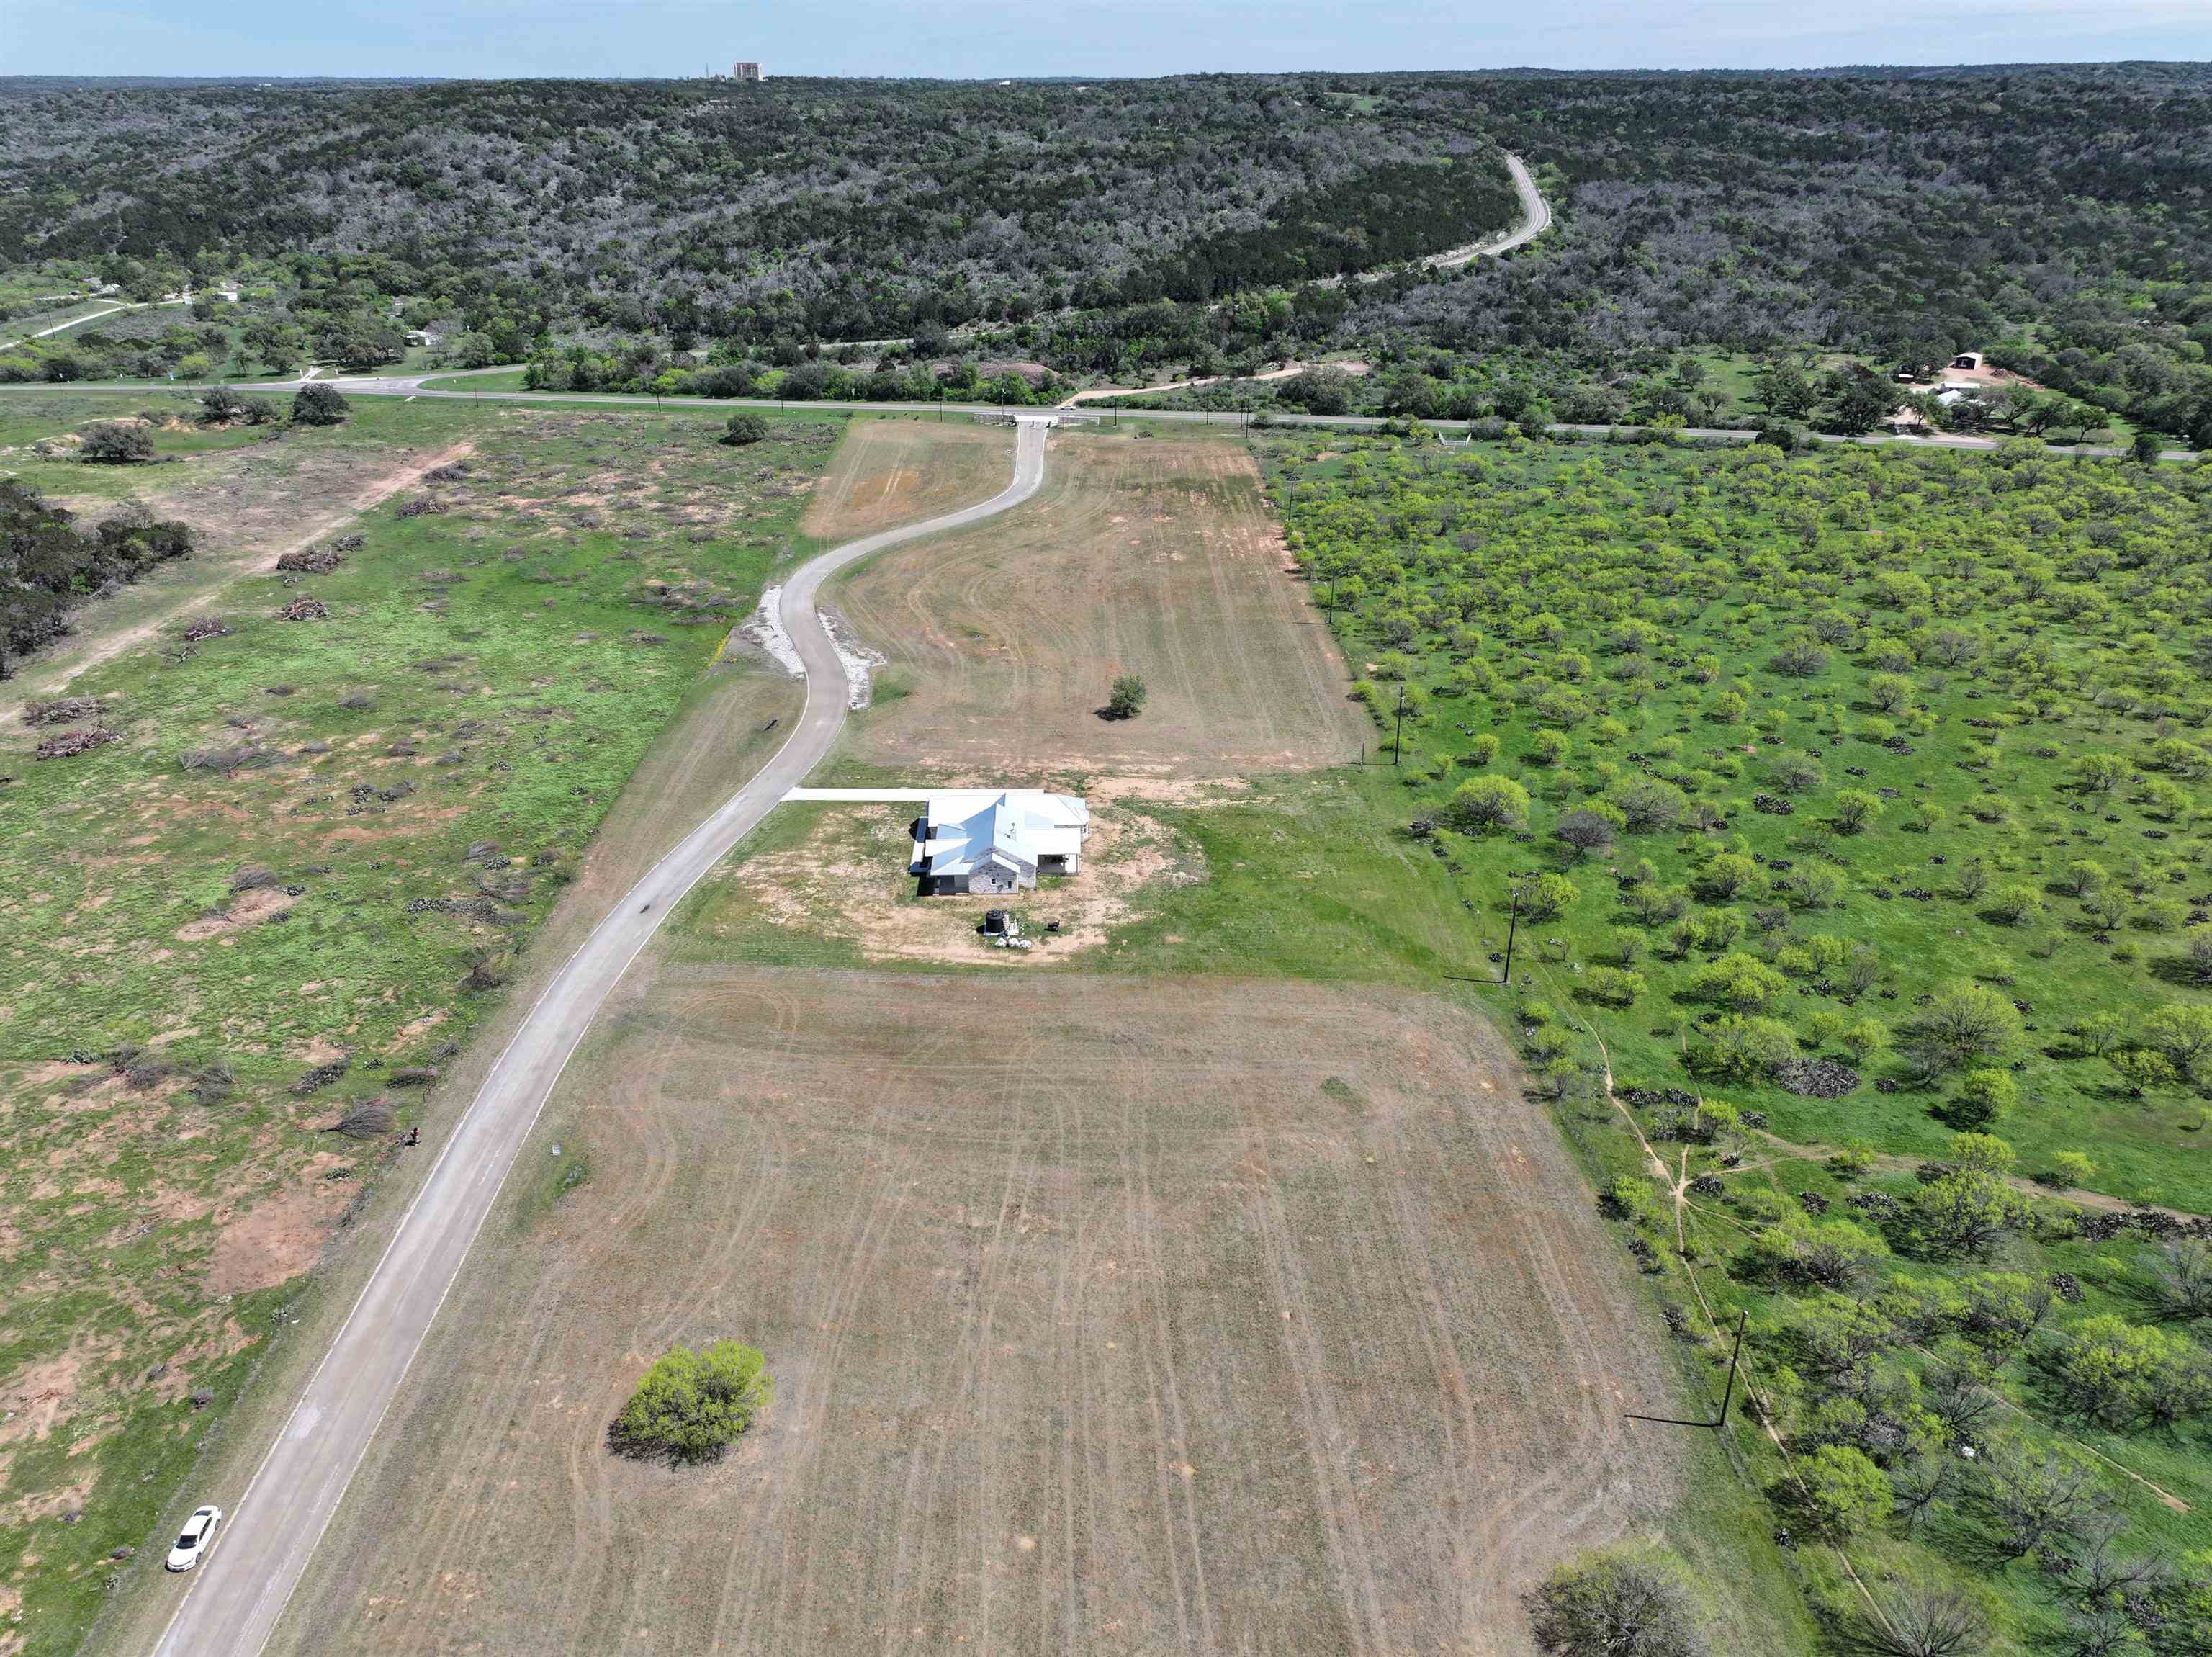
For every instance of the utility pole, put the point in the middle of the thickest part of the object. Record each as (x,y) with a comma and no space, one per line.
(1720,1420)
(1512,926)
(1397,736)
(1741,1318)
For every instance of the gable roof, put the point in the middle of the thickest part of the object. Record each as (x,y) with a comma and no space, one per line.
(960,832)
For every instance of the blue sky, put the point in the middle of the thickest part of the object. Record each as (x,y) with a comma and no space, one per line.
(994,37)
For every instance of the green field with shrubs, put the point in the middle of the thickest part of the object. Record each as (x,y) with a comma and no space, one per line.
(1849,810)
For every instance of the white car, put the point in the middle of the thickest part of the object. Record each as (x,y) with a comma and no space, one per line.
(196,1539)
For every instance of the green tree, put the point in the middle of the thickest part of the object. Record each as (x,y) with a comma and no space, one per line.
(1842,1492)
(1965,1212)
(1545,897)
(2100,773)
(1964,1021)
(318,404)
(2181,1034)
(2122,1375)
(692,1406)
(117,443)
(1126,700)
(742,431)
(1737,1048)
(1619,1603)
(1858,402)
(1486,804)
(1981,1152)
(1985,1095)
(1612,986)
(1786,388)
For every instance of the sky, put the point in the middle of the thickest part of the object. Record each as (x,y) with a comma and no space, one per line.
(990,39)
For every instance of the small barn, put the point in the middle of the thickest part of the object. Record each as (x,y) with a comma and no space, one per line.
(973,841)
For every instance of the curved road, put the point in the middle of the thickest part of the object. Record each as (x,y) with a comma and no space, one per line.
(238,1593)
(1536,219)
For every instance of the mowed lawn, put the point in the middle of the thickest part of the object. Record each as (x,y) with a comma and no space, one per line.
(1154,556)
(898,470)
(1106,1315)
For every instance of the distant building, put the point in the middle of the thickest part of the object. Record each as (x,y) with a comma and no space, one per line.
(746,72)
(973,841)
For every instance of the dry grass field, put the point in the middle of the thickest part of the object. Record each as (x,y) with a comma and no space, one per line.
(893,472)
(1106,1315)
(1150,556)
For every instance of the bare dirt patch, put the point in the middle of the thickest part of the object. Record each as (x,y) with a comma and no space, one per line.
(845,883)
(280,1236)
(1154,556)
(1106,1316)
(248,908)
(895,471)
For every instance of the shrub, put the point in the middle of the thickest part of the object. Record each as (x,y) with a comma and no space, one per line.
(1650,806)
(1486,805)
(1928,1623)
(1614,986)
(1855,809)
(1617,1603)
(1546,896)
(318,405)
(1127,699)
(2068,1168)
(1839,1255)
(1843,1492)
(1985,1095)
(1583,831)
(117,443)
(692,1406)
(2181,1035)
(742,431)
(1963,1022)
(1740,981)
(1742,1049)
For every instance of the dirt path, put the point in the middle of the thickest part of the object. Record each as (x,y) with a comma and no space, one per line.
(2102,1202)
(1289,371)
(239,537)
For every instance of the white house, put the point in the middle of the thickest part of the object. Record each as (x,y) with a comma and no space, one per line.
(976,841)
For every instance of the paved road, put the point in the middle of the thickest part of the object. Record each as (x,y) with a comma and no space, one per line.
(241,1590)
(417,385)
(1536,219)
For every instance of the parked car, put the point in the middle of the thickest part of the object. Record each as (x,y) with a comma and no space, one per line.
(195,1539)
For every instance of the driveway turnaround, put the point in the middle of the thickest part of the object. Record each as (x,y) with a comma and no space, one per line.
(242,1588)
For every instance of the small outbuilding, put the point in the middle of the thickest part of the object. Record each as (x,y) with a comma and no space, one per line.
(973,841)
